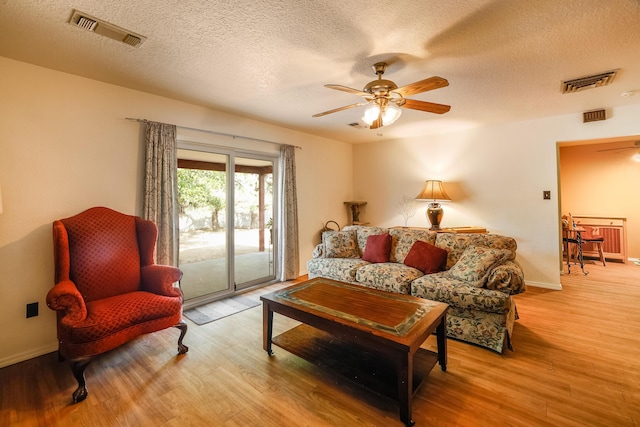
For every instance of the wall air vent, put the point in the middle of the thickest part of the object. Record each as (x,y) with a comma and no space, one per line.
(589,82)
(95,25)
(594,116)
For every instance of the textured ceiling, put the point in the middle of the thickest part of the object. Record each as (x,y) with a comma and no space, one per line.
(269,59)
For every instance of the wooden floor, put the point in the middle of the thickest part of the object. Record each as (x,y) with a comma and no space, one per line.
(576,363)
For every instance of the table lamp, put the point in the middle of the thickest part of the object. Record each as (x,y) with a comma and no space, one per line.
(433,190)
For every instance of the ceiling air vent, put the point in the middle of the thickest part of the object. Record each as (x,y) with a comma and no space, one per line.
(356,125)
(589,82)
(95,25)
(132,40)
(86,23)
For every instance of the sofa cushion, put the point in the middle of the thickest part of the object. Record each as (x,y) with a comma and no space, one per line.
(108,316)
(454,244)
(388,276)
(495,241)
(342,269)
(362,234)
(442,287)
(340,244)
(457,243)
(377,248)
(426,257)
(404,238)
(476,263)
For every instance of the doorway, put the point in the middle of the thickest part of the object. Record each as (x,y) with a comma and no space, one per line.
(596,179)
(226,202)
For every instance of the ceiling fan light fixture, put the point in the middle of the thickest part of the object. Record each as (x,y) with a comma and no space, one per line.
(390,114)
(370,114)
(385,96)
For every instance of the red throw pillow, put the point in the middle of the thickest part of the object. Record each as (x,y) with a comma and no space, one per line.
(426,257)
(377,248)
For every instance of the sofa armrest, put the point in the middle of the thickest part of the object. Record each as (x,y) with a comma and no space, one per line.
(507,277)
(65,297)
(318,251)
(159,279)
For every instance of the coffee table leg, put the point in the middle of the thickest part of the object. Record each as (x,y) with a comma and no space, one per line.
(405,388)
(267,327)
(441,335)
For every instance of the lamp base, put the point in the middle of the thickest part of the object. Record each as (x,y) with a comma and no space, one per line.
(434,215)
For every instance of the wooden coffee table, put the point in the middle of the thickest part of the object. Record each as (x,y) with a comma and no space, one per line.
(379,330)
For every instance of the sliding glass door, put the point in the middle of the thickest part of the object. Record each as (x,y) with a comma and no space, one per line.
(227,240)
(253,214)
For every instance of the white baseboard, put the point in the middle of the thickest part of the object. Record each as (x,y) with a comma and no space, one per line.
(21,357)
(555,287)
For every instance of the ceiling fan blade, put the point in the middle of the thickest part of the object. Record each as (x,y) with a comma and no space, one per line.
(346,107)
(349,90)
(431,83)
(429,107)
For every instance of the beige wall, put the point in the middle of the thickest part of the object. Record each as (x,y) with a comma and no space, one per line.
(65,146)
(494,175)
(596,183)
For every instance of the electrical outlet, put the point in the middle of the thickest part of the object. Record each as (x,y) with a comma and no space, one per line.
(32,309)
(546,195)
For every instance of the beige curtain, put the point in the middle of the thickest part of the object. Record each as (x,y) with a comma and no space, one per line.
(290,257)
(161,189)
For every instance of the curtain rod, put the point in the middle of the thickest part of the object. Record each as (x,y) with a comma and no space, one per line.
(215,133)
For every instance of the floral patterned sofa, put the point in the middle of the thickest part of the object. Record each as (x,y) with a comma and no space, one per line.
(476,274)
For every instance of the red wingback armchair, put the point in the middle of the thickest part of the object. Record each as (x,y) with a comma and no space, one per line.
(108,289)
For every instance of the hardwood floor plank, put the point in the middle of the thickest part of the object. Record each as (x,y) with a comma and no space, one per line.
(575,364)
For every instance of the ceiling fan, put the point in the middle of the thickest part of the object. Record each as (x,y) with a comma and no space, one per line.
(384,98)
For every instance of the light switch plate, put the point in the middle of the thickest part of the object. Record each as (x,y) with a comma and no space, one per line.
(546,195)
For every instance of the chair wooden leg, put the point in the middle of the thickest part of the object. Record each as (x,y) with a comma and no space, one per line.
(601,252)
(78,367)
(182,349)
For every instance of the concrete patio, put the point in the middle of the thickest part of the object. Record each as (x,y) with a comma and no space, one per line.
(204,263)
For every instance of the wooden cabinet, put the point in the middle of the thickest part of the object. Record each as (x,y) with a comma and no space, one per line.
(614,231)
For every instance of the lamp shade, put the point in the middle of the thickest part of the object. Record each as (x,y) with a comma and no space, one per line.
(433,190)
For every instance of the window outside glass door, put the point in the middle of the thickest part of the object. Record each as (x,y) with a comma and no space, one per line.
(226,222)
